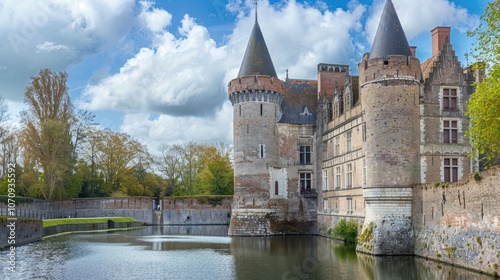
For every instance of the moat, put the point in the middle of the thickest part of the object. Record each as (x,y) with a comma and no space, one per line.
(206,252)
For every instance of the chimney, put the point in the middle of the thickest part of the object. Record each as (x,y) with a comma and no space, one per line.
(439,36)
(413,50)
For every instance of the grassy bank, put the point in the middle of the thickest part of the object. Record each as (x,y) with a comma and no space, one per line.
(76,221)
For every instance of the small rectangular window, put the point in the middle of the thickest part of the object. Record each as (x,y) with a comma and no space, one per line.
(349,140)
(262,152)
(348,176)
(450,132)
(450,169)
(305,182)
(338,183)
(449,99)
(305,154)
(325,180)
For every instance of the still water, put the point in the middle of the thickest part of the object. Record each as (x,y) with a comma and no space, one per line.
(206,252)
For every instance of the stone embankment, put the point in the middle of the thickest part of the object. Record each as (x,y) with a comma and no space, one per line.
(459,223)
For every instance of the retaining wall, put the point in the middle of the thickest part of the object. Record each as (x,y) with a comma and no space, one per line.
(26,230)
(88,227)
(460,223)
(139,208)
(196,210)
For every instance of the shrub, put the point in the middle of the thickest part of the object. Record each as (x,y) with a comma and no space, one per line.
(477,177)
(347,230)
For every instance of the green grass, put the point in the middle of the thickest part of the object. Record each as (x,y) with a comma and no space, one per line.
(76,221)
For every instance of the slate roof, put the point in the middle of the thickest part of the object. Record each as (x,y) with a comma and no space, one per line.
(300,97)
(257,60)
(390,38)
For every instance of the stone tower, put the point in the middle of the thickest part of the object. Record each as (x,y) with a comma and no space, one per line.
(389,78)
(256,95)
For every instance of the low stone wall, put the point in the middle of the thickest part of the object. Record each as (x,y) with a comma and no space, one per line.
(88,227)
(139,208)
(196,210)
(25,231)
(460,223)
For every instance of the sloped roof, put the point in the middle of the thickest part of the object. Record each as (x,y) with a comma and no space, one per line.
(300,103)
(257,60)
(390,38)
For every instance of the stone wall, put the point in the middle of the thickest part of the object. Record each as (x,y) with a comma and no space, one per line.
(460,223)
(26,230)
(139,208)
(197,210)
(88,227)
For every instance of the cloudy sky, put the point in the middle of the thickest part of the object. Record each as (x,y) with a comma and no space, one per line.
(159,70)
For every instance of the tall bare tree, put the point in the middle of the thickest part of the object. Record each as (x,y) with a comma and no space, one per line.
(47,129)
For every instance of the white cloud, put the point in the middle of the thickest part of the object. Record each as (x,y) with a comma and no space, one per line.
(177,76)
(153,18)
(153,131)
(50,47)
(422,16)
(56,34)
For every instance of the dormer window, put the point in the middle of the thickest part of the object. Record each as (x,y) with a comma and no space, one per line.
(305,111)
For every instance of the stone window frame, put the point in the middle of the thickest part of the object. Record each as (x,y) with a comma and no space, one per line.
(336,146)
(363,175)
(453,164)
(325,179)
(305,181)
(443,96)
(449,137)
(325,205)
(305,155)
(348,176)
(262,150)
(348,140)
(338,178)
(350,210)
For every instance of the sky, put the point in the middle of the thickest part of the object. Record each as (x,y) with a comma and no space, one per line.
(159,70)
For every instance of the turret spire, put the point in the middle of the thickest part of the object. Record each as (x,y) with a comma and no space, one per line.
(390,38)
(257,60)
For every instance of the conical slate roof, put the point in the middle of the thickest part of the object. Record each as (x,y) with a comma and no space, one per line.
(257,60)
(390,38)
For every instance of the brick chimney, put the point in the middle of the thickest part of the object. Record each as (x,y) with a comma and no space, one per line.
(413,50)
(439,36)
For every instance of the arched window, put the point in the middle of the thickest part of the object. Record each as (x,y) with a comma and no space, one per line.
(276,188)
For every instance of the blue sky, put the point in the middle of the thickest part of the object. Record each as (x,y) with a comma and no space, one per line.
(159,70)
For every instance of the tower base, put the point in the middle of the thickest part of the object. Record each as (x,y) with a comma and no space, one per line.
(387,229)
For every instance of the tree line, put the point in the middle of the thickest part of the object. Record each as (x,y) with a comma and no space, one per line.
(59,153)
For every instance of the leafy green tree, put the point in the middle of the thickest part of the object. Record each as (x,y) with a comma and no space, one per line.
(217,173)
(484,104)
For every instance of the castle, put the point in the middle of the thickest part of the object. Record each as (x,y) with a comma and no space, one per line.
(308,153)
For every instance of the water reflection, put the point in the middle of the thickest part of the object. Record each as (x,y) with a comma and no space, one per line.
(203,252)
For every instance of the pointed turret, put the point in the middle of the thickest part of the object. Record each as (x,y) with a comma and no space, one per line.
(257,60)
(390,38)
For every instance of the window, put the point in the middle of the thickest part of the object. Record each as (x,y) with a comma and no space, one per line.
(305,154)
(262,152)
(449,99)
(364,172)
(305,182)
(325,180)
(338,183)
(348,176)
(450,168)
(349,140)
(450,131)
(349,206)
(276,188)
(336,151)
(325,205)
(261,109)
